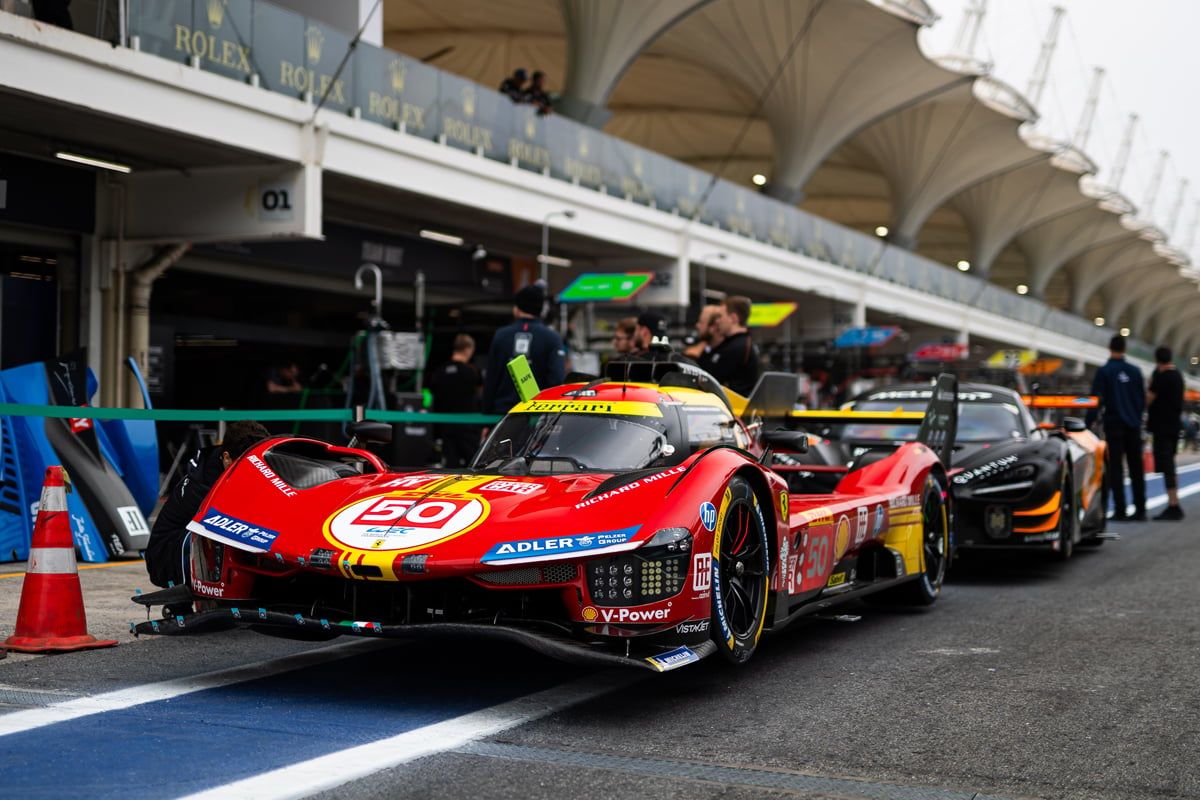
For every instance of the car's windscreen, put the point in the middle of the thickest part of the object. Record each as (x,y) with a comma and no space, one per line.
(977,422)
(563,442)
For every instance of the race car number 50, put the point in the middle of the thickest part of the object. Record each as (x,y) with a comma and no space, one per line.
(404,523)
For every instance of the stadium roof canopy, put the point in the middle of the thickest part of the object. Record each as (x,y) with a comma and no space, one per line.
(859,126)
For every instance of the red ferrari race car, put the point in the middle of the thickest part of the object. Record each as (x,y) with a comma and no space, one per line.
(612,522)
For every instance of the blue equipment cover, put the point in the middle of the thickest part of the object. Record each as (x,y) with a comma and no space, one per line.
(113,465)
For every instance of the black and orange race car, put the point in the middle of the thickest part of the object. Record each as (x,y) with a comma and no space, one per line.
(1017,482)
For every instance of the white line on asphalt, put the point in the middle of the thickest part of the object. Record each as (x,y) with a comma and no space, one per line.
(1161,499)
(332,770)
(19,721)
(1179,471)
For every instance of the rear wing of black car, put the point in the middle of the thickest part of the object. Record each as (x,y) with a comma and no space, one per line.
(1084,401)
(940,425)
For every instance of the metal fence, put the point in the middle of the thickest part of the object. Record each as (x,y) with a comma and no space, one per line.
(281,51)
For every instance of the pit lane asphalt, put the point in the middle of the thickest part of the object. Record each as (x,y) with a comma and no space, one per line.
(1027,679)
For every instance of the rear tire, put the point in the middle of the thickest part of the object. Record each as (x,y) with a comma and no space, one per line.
(1095,540)
(740,573)
(935,549)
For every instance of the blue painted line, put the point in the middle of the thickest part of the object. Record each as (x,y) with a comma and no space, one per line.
(210,738)
(1155,486)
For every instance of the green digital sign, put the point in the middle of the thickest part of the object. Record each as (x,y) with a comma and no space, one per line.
(768,315)
(605,287)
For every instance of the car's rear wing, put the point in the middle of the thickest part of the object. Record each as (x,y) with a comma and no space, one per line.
(1060,401)
(938,422)
(940,426)
(833,417)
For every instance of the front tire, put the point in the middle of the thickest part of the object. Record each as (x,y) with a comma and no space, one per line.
(1067,520)
(740,573)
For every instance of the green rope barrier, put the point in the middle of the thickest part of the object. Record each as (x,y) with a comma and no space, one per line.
(230,415)
(414,416)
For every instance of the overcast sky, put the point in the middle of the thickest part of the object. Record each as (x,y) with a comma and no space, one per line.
(1152,61)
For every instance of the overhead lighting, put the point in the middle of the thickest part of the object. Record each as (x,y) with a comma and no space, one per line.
(554,261)
(963,265)
(1124,331)
(124,169)
(759,179)
(881,231)
(1099,321)
(444,238)
(1022,289)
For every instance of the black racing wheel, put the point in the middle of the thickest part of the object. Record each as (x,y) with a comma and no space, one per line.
(1067,521)
(740,573)
(935,550)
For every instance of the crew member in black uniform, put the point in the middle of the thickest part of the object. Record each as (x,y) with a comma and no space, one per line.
(529,337)
(455,390)
(1122,393)
(735,363)
(169,548)
(1164,412)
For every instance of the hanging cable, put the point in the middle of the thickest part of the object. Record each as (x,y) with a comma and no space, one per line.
(752,115)
(345,59)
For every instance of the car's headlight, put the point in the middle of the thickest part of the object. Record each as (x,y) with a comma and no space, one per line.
(1013,481)
(1023,472)
(655,571)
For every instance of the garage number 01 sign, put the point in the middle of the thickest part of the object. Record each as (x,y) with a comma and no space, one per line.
(275,201)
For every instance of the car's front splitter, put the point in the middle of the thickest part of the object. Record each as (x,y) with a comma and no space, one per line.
(559,647)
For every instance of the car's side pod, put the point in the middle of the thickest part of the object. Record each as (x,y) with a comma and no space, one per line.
(940,426)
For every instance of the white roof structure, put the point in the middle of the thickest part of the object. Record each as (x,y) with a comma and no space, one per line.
(835,102)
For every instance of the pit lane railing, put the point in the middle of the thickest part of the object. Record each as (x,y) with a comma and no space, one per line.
(257,42)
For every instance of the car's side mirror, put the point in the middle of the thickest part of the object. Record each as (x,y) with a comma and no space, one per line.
(366,430)
(1074,425)
(787,440)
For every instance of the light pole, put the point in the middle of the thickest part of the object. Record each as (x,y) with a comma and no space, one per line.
(701,262)
(546,242)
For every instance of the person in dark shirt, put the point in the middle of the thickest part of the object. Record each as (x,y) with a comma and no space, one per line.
(514,85)
(623,336)
(455,388)
(1122,393)
(529,337)
(649,325)
(699,346)
(56,12)
(537,94)
(1163,413)
(735,363)
(169,548)
(284,379)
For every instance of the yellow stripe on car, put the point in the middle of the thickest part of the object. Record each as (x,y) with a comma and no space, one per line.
(624,408)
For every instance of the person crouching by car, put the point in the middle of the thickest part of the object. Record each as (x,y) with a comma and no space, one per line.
(169,551)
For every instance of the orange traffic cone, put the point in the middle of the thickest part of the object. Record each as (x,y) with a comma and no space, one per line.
(51,616)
